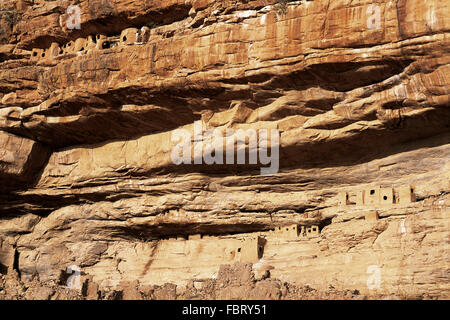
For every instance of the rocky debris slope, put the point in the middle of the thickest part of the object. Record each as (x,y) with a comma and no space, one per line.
(234,282)
(357,92)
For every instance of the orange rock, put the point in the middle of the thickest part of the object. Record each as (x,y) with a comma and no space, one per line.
(90,118)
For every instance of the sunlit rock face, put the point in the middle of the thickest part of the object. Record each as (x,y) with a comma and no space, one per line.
(127,131)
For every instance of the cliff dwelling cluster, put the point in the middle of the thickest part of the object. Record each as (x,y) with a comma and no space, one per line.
(295,231)
(373,196)
(251,249)
(128,36)
(245,249)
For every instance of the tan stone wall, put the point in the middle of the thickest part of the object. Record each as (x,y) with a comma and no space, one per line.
(360,197)
(129,36)
(343,199)
(406,194)
(371,216)
(80,45)
(386,196)
(372,195)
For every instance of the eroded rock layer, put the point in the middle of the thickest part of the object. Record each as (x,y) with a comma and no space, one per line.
(91,118)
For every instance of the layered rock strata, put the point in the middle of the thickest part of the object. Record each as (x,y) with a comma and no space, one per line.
(356,92)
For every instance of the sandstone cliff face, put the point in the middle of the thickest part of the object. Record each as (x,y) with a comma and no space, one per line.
(358,93)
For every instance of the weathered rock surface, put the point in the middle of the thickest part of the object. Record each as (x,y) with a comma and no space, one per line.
(358,91)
